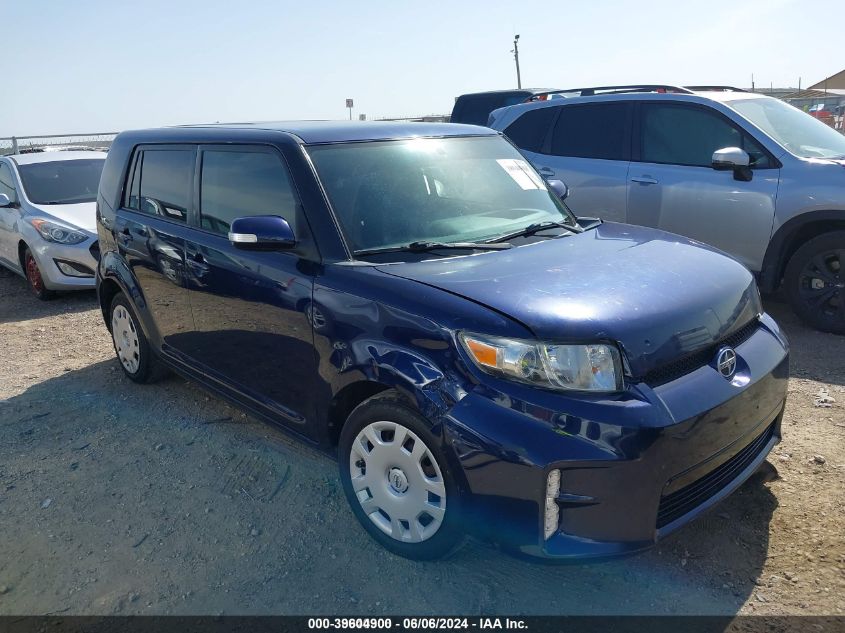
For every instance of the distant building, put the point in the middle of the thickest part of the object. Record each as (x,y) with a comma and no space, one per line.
(834,82)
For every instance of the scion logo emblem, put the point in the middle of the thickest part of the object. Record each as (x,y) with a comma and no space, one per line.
(726,362)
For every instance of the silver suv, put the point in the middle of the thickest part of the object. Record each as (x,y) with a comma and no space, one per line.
(744,172)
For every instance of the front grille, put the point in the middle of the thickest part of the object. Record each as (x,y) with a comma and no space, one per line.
(681,367)
(95,250)
(677,504)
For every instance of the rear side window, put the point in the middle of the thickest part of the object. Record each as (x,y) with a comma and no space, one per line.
(592,131)
(681,135)
(237,184)
(529,130)
(161,183)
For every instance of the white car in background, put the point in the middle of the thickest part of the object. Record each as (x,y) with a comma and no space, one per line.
(47,218)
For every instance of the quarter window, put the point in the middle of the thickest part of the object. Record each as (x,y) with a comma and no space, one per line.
(529,130)
(7,185)
(161,183)
(239,184)
(592,131)
(681,135)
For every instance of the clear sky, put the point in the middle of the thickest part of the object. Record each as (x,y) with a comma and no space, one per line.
(108,65)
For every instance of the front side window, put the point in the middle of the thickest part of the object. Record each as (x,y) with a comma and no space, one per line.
(161,183)
(391,193)
(7,185)
(238,184)
(681,135)
(529,130)
(62,181)
(592,131)
(800,133)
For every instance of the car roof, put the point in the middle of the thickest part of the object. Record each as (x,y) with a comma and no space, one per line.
(506,91)
(316,132)
(51,157)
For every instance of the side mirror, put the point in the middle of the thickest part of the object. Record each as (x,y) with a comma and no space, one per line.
(4,201)
(733,159)
(262,232)
(558,188)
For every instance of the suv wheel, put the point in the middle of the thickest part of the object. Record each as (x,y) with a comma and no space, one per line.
(33,277)
(130,344)
(815,282)
(396,480)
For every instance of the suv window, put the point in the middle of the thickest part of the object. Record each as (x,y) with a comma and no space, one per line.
(683,135)
(7,185)
(592,131)
(529,130)
(235,184)
(476,109)
(161,183)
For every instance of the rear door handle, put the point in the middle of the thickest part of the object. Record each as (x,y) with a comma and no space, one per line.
(644,180)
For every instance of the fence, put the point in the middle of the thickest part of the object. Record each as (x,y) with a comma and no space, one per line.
(48,142)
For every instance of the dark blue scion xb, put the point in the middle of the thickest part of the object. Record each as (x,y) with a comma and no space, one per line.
(416,297)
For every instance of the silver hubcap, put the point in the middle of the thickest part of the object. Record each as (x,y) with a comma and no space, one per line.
(125,339)
(397,482)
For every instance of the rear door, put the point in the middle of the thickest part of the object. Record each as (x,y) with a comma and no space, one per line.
(588,148)
(150,230)
(252,334)
(672,185)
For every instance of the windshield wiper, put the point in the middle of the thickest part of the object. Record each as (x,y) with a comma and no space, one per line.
(422,247)
(531,229)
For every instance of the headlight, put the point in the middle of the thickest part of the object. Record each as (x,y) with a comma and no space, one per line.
(590,367)
(53,232)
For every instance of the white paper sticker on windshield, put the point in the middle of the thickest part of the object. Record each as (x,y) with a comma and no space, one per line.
(521,173)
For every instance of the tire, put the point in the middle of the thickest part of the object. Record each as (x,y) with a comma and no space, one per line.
(408,476)
(815,282)
(130,344)
(34,279)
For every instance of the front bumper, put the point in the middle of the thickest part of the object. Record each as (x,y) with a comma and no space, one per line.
(46,254)
(634,467)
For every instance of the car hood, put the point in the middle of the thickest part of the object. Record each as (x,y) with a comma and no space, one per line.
(659,295)
(81,215)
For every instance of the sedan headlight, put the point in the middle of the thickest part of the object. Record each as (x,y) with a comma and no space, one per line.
(584,367)
(53,232)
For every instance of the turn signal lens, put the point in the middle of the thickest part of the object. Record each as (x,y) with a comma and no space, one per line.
(483,353)
(551,519)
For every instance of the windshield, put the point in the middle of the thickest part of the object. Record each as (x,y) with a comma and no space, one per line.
(62,181)
(390,193)
(797,131)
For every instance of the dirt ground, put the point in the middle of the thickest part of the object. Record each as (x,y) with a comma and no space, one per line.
(119,498)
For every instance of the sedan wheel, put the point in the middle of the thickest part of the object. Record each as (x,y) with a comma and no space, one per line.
(34,278)
(398,482)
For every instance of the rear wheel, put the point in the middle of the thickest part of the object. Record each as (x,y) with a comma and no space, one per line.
(34,279)
(815,282)
(130,344)
(397,481)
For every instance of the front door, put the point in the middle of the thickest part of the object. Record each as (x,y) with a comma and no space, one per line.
(252,333)
(150,230)
(672,185)
(9,218)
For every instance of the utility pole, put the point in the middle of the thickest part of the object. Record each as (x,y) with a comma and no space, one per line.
(515,52)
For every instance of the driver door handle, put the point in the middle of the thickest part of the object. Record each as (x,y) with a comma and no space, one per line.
(644,180)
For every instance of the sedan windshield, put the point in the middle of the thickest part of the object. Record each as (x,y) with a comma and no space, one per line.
(62,181)
(797,131)
(460,189)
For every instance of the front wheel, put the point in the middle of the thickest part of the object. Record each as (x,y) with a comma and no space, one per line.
(815,282)
(397,481)
(34,279)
